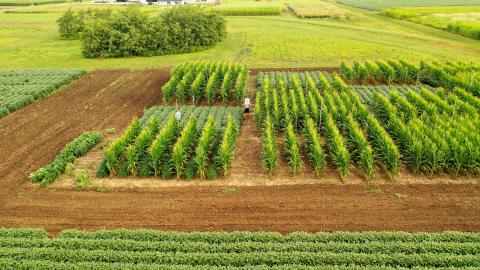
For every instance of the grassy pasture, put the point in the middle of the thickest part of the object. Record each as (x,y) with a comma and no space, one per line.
(464,20)
(381,4)
(259,41)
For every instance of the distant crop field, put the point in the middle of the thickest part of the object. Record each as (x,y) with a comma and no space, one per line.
(381,4)
(463,20)
(318,10)
(30,2)
(249,11)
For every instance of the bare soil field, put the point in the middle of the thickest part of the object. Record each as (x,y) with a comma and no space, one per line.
(32,136)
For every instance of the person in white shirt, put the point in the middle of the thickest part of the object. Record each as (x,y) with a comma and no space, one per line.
(246,106)
(178,115)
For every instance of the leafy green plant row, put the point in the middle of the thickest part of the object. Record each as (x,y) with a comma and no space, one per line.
(244,258)
(244,236)
(21,87)
(201,143)
(11,264)
(244,246)
(78,147)
(206,81)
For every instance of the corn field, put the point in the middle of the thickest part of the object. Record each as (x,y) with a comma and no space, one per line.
(379,129)
(465,75)
(201,144)
(208,82)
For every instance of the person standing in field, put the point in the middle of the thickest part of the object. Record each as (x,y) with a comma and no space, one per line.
(178,115)
(246,106)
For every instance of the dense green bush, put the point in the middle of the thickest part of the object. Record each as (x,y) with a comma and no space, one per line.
(71,24)
(131,32)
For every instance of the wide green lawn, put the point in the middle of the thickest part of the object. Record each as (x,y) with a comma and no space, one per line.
(31,40)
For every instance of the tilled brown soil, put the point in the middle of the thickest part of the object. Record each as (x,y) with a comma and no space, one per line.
(31,137)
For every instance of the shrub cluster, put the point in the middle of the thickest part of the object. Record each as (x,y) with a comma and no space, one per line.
(130,32)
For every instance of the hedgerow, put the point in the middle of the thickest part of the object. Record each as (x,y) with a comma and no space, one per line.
(177,30)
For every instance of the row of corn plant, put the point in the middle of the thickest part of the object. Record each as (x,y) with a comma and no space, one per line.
(209,80)
(269,146)
(197,85)
(161,147)
(226,148)
(386,149)
(441,105)
(467,97)
(313,146)
(457,103)
(292,150)
(338,151)
(241,84)
(184,146)
(205,147)
(361,150)
(405,108)
(137,152)
(114,154)
(379,71)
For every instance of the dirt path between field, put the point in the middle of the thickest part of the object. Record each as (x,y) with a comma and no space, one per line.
(31,137)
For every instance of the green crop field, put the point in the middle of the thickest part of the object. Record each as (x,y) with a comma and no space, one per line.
(19,88)
(144,249)
(381,4)
(31,2)
(464,20)
(259,41)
